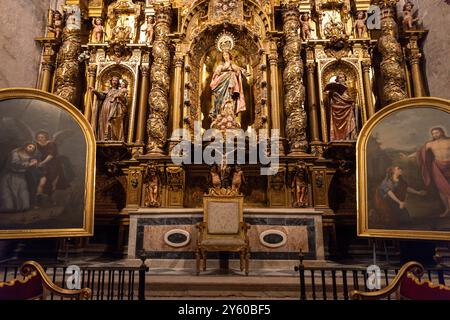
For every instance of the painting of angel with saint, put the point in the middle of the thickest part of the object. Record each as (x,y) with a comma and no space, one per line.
(43,154)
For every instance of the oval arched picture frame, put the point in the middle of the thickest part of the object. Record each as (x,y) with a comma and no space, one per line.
(403,171)
(47,167)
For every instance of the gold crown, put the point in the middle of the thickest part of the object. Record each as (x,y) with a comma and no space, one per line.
(225,41)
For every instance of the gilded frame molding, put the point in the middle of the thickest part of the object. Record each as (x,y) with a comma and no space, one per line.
(363,229)
(89,197)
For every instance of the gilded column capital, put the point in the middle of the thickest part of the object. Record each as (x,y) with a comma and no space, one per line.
(47,65)
(414,57)
(178,61)
(310,67)
(145,70)
(163,14)
(273,58)
(384,4)
(290,11)
(366,66)
(414,54)
(92,70)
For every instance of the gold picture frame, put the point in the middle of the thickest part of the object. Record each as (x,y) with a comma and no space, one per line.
(56,209)
(383,144)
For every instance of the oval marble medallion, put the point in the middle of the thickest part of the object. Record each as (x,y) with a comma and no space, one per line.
(273,238)
(177,238)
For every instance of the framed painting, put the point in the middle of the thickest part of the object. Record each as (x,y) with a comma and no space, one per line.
(47,167)
(403,171)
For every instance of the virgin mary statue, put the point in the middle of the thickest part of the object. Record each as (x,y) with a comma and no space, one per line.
(227,88)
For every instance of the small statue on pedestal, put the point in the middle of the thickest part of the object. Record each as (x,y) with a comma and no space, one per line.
(359,27)
(238,179)
(216,181)
(299,186)
(408,17)
(149,31)
(305,26)
(152,187)
(57,25)
(97,32)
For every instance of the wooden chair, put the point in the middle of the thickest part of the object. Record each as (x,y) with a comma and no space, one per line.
(407,286)
(223,228)
(37,285)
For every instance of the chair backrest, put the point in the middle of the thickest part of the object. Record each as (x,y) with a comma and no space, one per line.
(223,216)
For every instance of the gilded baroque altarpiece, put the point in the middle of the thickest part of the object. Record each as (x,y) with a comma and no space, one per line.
(315,70)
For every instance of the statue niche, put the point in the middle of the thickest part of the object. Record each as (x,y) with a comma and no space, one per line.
(112,101)
(340,82)
(226,95)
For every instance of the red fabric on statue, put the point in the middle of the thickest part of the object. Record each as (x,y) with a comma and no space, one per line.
(434,171)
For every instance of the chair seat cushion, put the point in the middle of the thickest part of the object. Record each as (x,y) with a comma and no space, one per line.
(223,242)
(412,288)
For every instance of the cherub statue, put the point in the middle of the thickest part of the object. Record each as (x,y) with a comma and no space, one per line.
(359,27)
(149,30)
(57,25)
(408,17)
(305,26)
(299,185)
(97,32)
(238,179)
(152,187)
(216,181)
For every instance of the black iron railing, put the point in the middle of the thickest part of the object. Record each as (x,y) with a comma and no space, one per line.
(337,283)
(316,282)
(106,283)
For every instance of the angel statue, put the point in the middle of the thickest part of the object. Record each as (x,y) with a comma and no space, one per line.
(227,88)
(408,16)
(299,186)
(238,179)
(57,23)
(152,187)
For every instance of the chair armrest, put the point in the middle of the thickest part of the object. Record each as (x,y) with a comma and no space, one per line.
(29,267)
(412,266)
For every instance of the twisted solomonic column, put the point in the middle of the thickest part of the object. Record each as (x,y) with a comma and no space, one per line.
(392,71)
(67,73)
(160,82)
(294,90)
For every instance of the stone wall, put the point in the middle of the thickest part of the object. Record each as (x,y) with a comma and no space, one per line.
(22,21)
(435,15)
